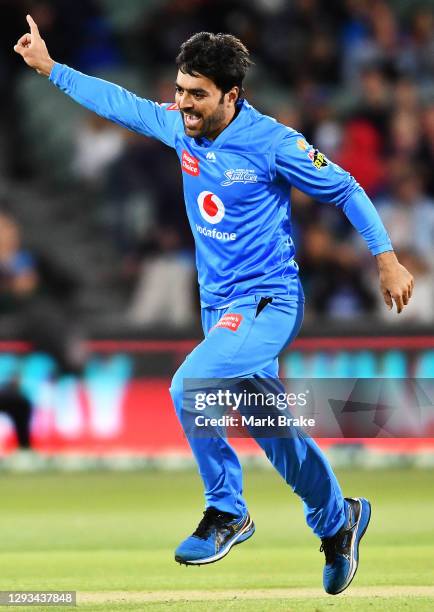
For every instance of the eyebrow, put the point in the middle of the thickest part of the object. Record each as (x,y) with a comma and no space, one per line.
(192,91)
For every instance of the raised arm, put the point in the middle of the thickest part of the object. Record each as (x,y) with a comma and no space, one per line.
(106,99)
(308,170)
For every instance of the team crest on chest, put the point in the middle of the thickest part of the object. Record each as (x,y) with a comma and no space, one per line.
(239,175)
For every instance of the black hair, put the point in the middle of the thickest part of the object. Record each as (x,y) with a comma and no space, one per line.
(223,58)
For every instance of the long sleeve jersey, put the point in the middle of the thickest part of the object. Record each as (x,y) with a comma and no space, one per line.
(237,189)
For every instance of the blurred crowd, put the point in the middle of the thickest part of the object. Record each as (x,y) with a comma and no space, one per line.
(356,77)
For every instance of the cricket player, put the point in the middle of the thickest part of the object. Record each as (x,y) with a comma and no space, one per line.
(238,167)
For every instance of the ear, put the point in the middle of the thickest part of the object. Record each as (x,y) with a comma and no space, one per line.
(232,95)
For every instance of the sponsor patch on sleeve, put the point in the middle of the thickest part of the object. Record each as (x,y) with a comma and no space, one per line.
(318,159)
(231,321)
(302,144)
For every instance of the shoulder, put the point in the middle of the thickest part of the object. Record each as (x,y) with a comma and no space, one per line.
(263,129)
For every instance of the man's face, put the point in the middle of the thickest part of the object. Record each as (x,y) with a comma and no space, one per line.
(205,110)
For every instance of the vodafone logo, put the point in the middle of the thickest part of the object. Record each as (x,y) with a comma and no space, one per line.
(211,207)
(190,164)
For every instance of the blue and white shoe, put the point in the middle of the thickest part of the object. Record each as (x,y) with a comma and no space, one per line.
(215,535)
(342,550)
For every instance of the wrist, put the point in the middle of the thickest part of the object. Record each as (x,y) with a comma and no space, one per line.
(46,67)
(386,259)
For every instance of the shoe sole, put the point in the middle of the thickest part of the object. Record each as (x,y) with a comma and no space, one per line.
(355,543)
(241,537)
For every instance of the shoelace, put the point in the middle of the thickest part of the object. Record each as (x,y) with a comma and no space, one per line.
(336,544)
(211,518)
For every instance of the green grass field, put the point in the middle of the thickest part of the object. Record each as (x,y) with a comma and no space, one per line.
(110,536)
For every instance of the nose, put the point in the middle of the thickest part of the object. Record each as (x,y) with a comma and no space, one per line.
(185,101)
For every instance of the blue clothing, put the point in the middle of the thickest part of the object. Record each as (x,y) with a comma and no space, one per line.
(237,195)
(237,189)
(251,351)
(21,262)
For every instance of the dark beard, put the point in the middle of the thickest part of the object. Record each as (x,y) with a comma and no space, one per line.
(210,125)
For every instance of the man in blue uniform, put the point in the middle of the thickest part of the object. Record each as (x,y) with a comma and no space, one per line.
(238,167)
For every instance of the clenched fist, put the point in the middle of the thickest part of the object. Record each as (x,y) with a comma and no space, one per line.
(33,50)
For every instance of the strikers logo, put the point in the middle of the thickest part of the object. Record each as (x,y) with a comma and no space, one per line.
(211,207)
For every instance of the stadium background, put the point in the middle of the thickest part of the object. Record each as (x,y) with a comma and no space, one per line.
(98,302)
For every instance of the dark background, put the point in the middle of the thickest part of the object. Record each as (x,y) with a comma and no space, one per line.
(93,235)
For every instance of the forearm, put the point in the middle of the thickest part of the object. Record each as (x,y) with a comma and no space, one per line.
(364,217)
(106,99)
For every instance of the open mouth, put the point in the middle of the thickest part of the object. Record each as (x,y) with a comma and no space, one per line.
(191,121)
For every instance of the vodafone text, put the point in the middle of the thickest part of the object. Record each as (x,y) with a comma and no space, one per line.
(215,234)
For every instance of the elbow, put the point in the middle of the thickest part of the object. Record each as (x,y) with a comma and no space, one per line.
(351,191)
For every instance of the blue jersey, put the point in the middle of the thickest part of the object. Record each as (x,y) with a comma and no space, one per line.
(237,189)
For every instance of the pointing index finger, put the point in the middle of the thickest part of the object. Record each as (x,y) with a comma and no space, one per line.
(33,26)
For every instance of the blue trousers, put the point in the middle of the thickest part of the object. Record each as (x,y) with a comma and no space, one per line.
(240,342)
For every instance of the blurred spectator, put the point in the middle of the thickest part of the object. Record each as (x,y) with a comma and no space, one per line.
(76,33)
(18,408)
(360,155)
(386,39)
(144,188)
(375,99)
(18,276)
(418,53)
(99,143)
(178,19)
(18,280)
(406,96)
(36,295)
(427,149)
(332,277)
(408,214)
(405,135)
(164,293)
(328,133)
(355,35)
